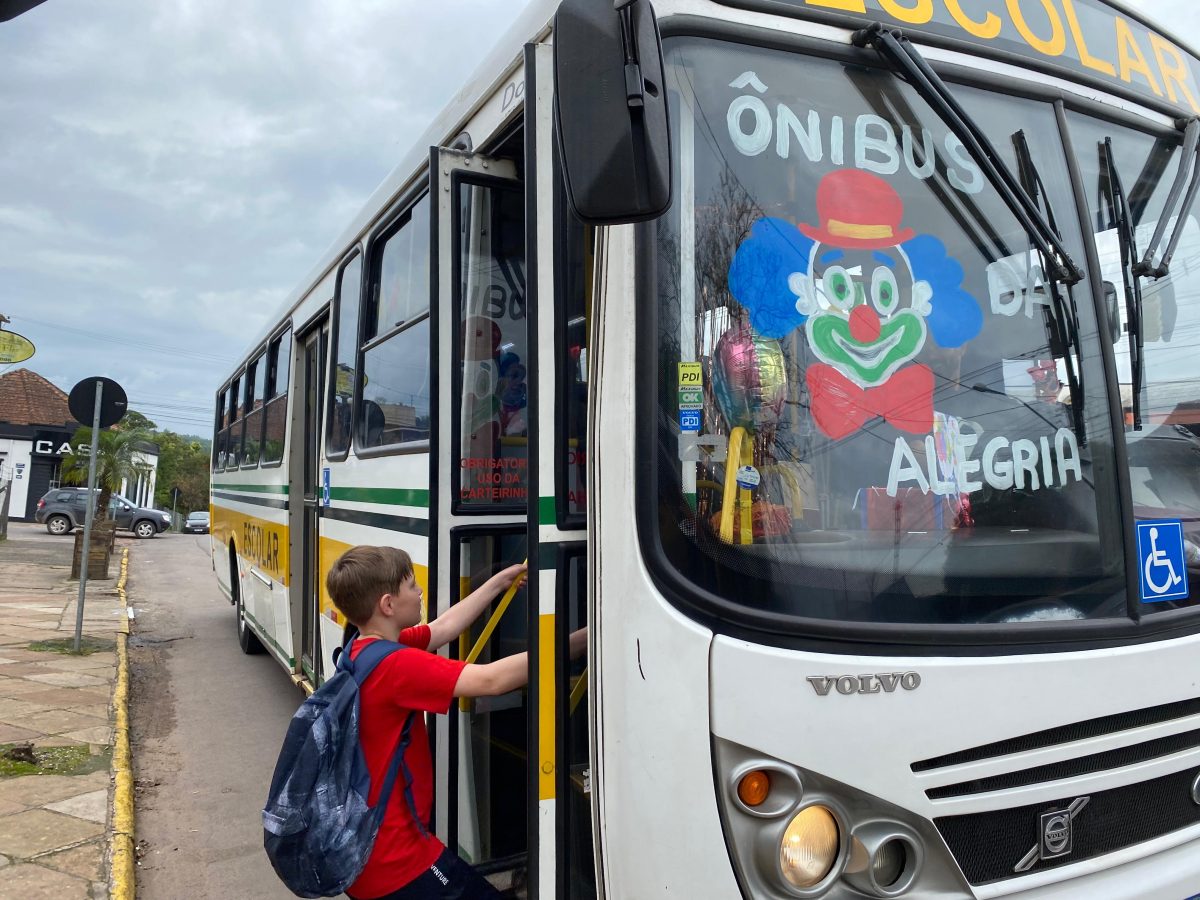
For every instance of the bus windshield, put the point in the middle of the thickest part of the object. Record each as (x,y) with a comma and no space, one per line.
(871,404)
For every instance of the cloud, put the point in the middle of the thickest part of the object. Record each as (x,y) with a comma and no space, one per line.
(172,169)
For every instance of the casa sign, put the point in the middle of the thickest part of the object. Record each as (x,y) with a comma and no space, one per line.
(45,444)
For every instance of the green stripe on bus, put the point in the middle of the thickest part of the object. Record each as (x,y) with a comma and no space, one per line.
(262,633)
(392,496)
(253,488)
(547,511)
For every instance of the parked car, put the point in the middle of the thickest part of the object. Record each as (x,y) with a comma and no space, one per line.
(62,510)
(196,523)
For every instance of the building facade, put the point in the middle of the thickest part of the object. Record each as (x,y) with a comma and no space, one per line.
(36,430)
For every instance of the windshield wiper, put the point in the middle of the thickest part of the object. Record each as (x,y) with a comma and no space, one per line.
(1119,206)
(1066,313)
(1145,266)
(904,58)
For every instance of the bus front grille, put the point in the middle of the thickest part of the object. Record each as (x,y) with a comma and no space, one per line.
(1064,734)
(1000,844)
(1072,768)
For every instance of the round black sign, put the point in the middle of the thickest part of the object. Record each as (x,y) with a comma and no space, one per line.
(113,402)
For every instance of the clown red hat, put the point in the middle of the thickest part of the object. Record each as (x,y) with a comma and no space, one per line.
(858,210)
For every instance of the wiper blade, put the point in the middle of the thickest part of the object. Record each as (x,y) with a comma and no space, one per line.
(1145,266)
(1066,313)
(1119,204)
(904,58)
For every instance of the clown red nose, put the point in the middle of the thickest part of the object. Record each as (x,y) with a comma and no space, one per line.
(864,324)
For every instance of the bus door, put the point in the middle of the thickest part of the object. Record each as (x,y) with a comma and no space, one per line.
(480,460)
(305,484)
(561,254)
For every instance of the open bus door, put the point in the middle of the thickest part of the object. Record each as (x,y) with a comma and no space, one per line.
(304,483)
(513,794)
(480,472)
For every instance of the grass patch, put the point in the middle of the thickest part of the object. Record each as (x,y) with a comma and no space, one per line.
(76,759)
(87,645)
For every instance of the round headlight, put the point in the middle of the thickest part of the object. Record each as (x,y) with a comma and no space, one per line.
(809,847)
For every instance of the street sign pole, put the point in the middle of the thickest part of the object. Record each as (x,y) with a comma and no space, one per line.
(88,516)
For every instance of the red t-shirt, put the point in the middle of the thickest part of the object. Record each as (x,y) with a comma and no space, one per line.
(411,679)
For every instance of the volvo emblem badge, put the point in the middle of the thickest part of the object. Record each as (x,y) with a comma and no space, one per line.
(1056,835)
(1196,790)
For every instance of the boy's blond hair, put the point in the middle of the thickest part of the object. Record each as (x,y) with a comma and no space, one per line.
(362,575)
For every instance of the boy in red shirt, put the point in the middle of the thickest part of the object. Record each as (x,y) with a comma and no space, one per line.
(374,587)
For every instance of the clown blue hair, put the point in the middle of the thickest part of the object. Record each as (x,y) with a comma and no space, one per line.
(775,249)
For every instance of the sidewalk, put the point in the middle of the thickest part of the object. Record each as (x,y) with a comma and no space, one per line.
(55,826)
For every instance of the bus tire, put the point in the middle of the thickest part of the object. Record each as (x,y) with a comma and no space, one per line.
(247,639)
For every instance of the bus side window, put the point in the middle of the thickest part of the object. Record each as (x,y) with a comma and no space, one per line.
(395,402)
(279,358)
(345,353)
(221,435)
(256,375)
(233,444)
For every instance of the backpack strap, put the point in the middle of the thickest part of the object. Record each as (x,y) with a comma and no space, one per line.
(400,763)
(361,667)
(349,633)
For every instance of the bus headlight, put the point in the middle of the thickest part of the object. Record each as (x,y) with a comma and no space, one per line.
(809,847)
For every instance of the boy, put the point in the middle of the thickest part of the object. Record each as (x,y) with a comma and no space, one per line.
(374,588)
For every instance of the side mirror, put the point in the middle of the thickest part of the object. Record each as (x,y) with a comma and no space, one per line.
(610,109)
(1113,311)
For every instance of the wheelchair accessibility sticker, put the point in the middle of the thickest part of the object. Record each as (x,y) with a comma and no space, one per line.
(1161,559)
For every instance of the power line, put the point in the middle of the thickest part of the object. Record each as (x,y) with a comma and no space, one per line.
(141,345)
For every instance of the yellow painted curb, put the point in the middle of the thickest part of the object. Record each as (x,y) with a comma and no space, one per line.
(121,852)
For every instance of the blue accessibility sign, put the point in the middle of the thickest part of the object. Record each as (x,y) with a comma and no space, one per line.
(325,486)
(1161,562)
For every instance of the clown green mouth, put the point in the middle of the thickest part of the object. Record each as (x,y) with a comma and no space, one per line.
(900,339)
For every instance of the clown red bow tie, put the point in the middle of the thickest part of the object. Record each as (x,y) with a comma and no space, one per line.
(840,407)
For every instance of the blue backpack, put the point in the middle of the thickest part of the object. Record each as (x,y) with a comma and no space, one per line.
(318,826)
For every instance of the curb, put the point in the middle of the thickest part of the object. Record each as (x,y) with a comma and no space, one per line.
(121,848)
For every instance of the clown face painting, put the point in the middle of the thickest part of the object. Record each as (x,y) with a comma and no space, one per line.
(869,292)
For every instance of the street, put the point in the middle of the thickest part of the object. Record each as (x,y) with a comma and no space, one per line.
(207,723)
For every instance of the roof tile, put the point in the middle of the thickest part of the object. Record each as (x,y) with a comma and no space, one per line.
(26,398)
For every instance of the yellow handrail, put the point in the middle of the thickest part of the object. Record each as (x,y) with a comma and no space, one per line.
(464,703)
(579,689)
(740,447)
(501,609)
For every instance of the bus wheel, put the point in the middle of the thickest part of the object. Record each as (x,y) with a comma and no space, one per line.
(247,639)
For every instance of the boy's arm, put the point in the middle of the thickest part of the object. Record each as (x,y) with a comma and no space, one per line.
(458,618)
(504,675)
(494,678)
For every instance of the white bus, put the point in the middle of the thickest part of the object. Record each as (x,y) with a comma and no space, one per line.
(858,422)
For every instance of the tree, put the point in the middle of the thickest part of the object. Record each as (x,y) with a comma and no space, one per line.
(135,421)
(183,464)
(116,461)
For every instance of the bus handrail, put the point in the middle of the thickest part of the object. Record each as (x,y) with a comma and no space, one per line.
(496,616)
(739,444)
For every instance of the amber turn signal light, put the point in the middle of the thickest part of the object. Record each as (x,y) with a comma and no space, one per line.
(753,787)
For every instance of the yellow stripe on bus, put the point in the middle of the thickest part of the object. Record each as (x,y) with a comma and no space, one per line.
(261,543)
(327,555)
(546,729)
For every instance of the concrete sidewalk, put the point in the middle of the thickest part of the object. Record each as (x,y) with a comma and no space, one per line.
(55,826)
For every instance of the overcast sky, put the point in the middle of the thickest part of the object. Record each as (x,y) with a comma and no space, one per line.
(170,169)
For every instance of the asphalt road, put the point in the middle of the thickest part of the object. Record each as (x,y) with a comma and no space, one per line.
(207,723)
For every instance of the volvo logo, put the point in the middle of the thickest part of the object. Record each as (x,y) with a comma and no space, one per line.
(1196,790)
(1056,835)
(885,682)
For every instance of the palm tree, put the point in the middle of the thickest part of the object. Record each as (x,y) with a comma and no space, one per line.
(116,461)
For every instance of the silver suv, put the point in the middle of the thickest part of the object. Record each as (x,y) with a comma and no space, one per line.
(62,510)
